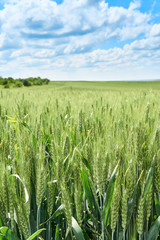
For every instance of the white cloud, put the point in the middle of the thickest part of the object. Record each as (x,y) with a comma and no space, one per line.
(134,5)
(71,35)
(155,30)
(37,20)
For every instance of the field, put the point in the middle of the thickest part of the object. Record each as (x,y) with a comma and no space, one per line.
(80,160)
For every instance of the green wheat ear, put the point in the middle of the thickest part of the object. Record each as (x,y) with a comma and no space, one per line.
(51,188)
(140,216)
(40,185)
(157,173)
(116,203)
(67,202)
(149,203)
(78,199)
(22,221)
(124,208)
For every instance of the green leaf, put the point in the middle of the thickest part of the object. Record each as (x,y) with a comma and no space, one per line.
(73,137)
(65,162)
(131,204)
(34,139)
(36,234)
(77,230)
(57,233)
(109,196)
(148,182)
(157,205)
(154,230)
(8,234)
(25,189)
(1,222)
(132,201)
(88,192)
(55,214)
(12,121)
(33,136)
(2,237)
(26,126)
(85,161)
(9,117)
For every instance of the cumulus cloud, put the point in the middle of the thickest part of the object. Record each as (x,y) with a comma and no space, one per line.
(73,34)
(155,30)
(38,20)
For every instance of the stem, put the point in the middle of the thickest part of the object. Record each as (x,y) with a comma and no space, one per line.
(112,235)
(146,229)
(124,235)
(84,205)
(30,233)
(38,216)
(117,228)
(49,230)
(102,223)
(38,210)
(14,226)
(102,230)
(71,235)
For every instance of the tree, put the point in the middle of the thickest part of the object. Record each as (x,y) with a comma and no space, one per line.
(18,84)
(26,83)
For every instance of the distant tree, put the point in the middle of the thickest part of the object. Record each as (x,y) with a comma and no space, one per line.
(18,84)
(1,81)
(27,83)
(46,81)
(7,85)
(11,80)
(7,82)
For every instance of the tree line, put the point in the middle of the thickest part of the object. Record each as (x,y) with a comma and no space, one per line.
(27,82)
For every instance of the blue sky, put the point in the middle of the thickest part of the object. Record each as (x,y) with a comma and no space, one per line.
(80,39)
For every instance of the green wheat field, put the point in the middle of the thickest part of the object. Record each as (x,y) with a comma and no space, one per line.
(80,160)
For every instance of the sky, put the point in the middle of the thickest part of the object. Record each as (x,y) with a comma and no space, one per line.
(80,39)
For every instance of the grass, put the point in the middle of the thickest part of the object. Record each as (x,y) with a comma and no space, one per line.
(109,85)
